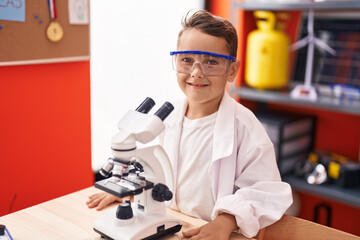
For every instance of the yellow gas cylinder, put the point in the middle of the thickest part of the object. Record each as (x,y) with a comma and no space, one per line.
(267,54)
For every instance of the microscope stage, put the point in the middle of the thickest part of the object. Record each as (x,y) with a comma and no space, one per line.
(124,187)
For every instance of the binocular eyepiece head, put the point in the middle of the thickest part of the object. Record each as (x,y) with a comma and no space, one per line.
(163,112)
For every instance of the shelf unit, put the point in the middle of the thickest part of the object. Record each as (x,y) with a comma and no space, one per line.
(348,196)
(325,103)
(351,196)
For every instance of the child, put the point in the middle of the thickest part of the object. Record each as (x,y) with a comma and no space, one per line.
(222,158)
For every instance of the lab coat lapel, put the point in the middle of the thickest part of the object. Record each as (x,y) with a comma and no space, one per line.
(223,141)
(222,168)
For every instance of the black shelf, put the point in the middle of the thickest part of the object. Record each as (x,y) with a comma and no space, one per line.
(325,103)
(277,5)
(349,196)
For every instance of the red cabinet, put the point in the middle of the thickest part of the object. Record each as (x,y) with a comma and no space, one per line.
(45,148)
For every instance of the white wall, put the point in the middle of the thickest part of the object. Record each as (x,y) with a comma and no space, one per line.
(130,45)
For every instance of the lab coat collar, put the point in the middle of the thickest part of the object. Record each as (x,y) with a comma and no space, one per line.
(223,140)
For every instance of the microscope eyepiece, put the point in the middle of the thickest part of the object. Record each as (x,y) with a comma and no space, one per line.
(164,110)
(146,105)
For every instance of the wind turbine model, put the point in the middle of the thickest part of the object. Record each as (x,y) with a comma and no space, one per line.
(307,91)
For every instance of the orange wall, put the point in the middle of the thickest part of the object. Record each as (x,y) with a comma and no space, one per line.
(44,132)
(221,8)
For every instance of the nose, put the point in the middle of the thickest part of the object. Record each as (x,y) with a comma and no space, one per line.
(197,71)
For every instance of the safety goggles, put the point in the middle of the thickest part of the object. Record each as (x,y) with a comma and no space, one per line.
(212,64)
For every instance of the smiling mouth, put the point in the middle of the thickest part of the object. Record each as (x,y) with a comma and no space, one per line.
(198,85)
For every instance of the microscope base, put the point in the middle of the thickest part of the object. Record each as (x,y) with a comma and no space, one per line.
(142,227)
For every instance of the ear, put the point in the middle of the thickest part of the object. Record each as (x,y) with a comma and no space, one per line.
(234,68)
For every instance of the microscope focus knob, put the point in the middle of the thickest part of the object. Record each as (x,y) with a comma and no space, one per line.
(124,211)
(161,193)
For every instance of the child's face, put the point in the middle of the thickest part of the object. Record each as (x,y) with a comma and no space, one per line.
(196,86)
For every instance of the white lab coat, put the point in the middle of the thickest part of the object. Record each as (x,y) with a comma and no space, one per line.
(244,176)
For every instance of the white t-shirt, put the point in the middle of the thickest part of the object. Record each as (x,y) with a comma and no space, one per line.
(195,154)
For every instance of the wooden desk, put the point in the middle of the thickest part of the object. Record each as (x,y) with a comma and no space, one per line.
(68,217)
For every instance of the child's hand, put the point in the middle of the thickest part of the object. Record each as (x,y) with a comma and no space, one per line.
(218,229)
(101,200)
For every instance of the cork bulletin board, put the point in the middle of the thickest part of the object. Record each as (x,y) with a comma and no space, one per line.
(26,42)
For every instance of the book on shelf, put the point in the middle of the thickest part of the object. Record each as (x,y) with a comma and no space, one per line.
(291,134)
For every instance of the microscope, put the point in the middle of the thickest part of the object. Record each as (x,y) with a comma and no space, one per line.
(138,171)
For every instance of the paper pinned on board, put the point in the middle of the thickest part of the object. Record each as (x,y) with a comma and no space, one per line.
(78,12)
(12,10)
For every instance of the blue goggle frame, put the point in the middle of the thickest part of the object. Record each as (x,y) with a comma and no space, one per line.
(231,58)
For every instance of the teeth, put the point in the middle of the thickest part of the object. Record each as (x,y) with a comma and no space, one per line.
(199,85)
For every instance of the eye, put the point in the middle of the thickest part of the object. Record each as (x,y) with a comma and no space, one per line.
(212,62)
(187,60)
